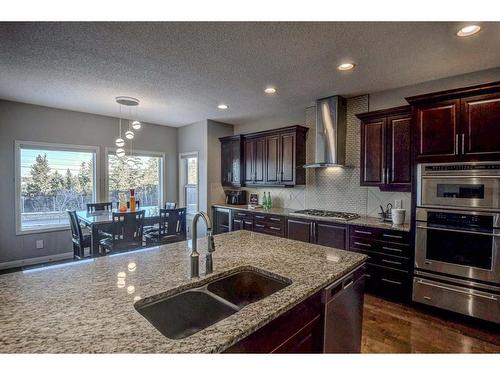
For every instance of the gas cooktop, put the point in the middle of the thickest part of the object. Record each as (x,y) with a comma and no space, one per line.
(324,213)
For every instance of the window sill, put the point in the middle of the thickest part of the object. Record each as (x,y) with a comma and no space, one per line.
(60,228)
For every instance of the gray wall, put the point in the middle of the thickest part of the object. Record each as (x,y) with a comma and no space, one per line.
(27,122)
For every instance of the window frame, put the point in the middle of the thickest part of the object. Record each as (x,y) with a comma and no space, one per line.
(18,145)
(162,176)
(182,174)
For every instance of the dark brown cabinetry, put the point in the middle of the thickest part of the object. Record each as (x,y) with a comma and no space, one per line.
(389,267)
(269,224)
(321,233)
(242,220)
(231,161)
(222,220)
(386,149)
(457,125)
(271,158)
(299,330)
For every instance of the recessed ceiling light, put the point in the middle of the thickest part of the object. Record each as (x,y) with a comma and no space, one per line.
(345,66)
(270,90)
(222,106)
(469,30)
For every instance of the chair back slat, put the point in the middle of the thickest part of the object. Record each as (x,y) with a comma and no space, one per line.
(172,222)
(127,227)
(105,206)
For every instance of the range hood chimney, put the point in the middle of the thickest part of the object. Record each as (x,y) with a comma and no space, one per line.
(330,132)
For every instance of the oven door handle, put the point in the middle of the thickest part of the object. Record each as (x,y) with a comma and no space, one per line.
(456,290)
(459,231)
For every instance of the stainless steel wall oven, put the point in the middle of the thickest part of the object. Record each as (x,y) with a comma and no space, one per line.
(457,243)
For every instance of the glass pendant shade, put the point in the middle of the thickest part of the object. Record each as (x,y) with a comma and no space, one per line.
(129,134)
(120,152)
(119,142)
(136,125)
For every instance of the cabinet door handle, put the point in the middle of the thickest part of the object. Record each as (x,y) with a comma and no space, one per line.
(275,228)
(463,143)
(392,281)
(259,217)
(259,225)
(362,232)
(392,249)
(274,219)
(456,144)
(392,236)
(391,262)
(363,244)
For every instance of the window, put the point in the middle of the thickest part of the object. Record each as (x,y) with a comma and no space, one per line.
(51,179)
(142,171)
(189,182)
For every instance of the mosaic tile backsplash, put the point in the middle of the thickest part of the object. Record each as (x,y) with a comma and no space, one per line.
(336,189)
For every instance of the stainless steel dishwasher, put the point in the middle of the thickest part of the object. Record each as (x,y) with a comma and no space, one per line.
(343,313)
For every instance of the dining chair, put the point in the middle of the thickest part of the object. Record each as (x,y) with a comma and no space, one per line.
(170,205)
(79,239)
(171,227)
(127,231)
(106,206)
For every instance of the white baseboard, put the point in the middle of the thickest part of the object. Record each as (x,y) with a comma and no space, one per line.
(31,261)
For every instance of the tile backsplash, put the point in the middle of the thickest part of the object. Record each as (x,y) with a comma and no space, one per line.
(336,189)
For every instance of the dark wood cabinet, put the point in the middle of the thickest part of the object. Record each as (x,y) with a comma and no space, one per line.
(331,235)
(386,149)
(232,161)
(389,270)
(269,158)
(299,330)
(300,230)
(457,125)
(242,220)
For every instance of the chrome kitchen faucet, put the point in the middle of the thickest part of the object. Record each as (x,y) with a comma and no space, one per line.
(195,256)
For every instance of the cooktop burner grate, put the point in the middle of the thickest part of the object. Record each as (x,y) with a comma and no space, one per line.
(324,213)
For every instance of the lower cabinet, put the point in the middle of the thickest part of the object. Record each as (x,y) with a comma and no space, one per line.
(299,330)
(389,267)
(321,233)
(221,220)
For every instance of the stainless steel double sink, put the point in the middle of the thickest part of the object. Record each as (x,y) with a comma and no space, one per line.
(187,312)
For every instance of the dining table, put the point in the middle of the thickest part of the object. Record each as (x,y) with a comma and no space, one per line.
(100,222)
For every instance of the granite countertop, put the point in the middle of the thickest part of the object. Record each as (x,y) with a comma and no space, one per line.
(363,220)
(88,306)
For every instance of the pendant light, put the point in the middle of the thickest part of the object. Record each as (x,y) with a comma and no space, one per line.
(119,142)
(120,152)
(136,125)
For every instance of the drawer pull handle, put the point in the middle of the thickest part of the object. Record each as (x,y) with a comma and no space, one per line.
(392,249)
(362,244)
(362,232)
(392,281)
(275,228)
(259,225)
(274,219)
(470,294)
(391,262)
(427,298)
(259,217)
(392,236)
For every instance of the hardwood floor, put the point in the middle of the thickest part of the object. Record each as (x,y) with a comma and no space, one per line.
(390,327)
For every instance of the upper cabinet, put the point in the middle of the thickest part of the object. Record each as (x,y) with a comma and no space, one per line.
(274,157)
(231,161)
(457,125)
(386,149)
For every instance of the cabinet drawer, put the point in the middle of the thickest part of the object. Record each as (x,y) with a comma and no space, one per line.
(389,283)
(380,234)
(388,261)
(242,214)
(269,218)
(382,253)
(266,227)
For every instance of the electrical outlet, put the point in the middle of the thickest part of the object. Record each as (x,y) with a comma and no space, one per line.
(39,244)
(398,203)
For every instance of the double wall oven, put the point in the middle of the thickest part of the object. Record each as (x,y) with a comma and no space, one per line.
(457,244)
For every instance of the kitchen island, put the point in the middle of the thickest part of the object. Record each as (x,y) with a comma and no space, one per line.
(88,306)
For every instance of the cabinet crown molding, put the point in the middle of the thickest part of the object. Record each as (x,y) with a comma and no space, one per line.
(485,88)
(394,111)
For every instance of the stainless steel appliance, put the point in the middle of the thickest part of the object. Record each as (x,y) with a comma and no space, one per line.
(343,304)
(236,197)
(457,243)
(324,213)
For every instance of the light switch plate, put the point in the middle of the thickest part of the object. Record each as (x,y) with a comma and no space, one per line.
(398,203)
(39,244)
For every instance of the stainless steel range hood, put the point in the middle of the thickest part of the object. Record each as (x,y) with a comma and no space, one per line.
(330,132)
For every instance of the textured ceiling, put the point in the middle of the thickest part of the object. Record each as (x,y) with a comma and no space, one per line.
(181,71)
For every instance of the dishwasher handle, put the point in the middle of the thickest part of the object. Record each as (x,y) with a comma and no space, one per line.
(344,283)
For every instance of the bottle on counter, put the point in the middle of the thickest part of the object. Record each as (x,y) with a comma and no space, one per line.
(132,200)
(122,205)
(269,201)
(264,202)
